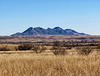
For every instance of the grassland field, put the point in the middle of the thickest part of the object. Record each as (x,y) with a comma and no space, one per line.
(29,63)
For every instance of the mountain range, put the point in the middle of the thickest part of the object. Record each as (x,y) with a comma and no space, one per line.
(49,31)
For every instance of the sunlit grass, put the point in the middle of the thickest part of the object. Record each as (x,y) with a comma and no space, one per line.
(31,64)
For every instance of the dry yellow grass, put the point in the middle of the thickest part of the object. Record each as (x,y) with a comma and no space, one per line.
(30,64)
(9,46)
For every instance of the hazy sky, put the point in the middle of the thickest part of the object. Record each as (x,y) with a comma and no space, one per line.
(79,15)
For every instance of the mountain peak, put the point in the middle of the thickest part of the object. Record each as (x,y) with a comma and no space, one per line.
(38,28)
(41,31)
(30,28)
(58,28)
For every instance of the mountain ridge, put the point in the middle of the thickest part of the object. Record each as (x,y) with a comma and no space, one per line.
(49,31)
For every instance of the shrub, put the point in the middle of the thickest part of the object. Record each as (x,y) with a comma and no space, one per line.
(4,48)
(98,47)
(84,50)
(16,48)
(57,43)
(25,47)
(59,50)
(69,48)
(39,49)
(36,48)
(42,49)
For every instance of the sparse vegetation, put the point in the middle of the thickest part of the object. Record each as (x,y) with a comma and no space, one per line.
(98,47)
(48,65)
(25,47)
(4,48)
(56,60)
(57,43)
(42,48)
(36,48)
(94,40)
(39,49)
(58,50)
(84,50)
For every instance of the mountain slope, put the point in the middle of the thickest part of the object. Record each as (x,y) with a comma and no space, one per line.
(41,31)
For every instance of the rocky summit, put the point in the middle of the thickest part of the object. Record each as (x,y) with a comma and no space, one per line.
(49,31)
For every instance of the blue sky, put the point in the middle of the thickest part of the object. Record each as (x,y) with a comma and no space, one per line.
(80,15)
